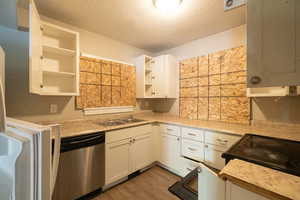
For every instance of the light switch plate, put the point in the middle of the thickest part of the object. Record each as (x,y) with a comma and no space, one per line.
(53,108)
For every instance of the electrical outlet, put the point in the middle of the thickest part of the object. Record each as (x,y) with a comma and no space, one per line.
(53,108)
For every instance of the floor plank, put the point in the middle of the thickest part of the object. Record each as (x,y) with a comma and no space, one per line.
(150,185)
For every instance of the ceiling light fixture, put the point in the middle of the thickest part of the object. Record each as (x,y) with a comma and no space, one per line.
(167,5)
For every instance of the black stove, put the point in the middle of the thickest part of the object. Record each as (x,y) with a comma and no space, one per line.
(279,154)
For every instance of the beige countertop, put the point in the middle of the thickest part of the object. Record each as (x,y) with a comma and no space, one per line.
(291,132)
(270,183)
(80,127)
(85,126)
(277,185)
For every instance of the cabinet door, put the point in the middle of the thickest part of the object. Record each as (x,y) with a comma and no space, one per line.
(171,77)
(141,152)
(170,152)
(158,82)
(210,186)
(116,160)
(213,157)
(273,43)
(35,50)
(234,192)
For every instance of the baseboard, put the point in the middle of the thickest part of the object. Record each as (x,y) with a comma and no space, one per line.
(134,174)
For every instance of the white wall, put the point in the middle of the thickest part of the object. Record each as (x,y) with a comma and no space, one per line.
(220,41)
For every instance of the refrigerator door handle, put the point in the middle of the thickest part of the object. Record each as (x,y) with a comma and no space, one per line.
(56,155)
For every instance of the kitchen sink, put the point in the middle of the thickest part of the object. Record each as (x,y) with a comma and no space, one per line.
(123,121)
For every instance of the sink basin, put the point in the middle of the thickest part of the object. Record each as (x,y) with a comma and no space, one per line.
(116,122)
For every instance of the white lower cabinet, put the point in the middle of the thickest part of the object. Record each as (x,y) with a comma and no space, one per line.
(141,152)
(116,160)
(170,151)
(234,192)
(126,151)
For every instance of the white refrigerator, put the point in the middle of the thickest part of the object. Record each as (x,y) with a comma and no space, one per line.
(28,160)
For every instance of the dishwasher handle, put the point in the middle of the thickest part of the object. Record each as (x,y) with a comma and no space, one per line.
(72,143)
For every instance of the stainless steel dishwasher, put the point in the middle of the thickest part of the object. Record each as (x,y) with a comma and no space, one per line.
(81,170)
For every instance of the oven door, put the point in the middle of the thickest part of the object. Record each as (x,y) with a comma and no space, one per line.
(202,183)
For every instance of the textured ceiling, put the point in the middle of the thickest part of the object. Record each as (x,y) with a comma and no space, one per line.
(138,23)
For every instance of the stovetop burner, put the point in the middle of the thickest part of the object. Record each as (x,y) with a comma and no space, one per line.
(271,152)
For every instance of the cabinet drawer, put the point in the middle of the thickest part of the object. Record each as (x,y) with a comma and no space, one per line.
(170,129)
(223,140)
(193,134)
(113,136)
(192,149)
(187,166)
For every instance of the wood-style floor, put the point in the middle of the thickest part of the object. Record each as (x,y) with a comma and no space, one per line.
(150,185)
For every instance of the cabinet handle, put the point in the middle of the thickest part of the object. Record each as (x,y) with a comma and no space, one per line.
(223,142)
(168,129)
(192,134)
(255,80)
(41,86)
(206,146)
(192,149)
(178,139)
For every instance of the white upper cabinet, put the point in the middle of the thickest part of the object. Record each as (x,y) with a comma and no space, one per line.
(54,58)
(157,77)
(273,35)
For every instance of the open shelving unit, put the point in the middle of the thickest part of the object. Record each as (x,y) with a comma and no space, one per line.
(54,58)
(59,61)
(157,77)
(148,76)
